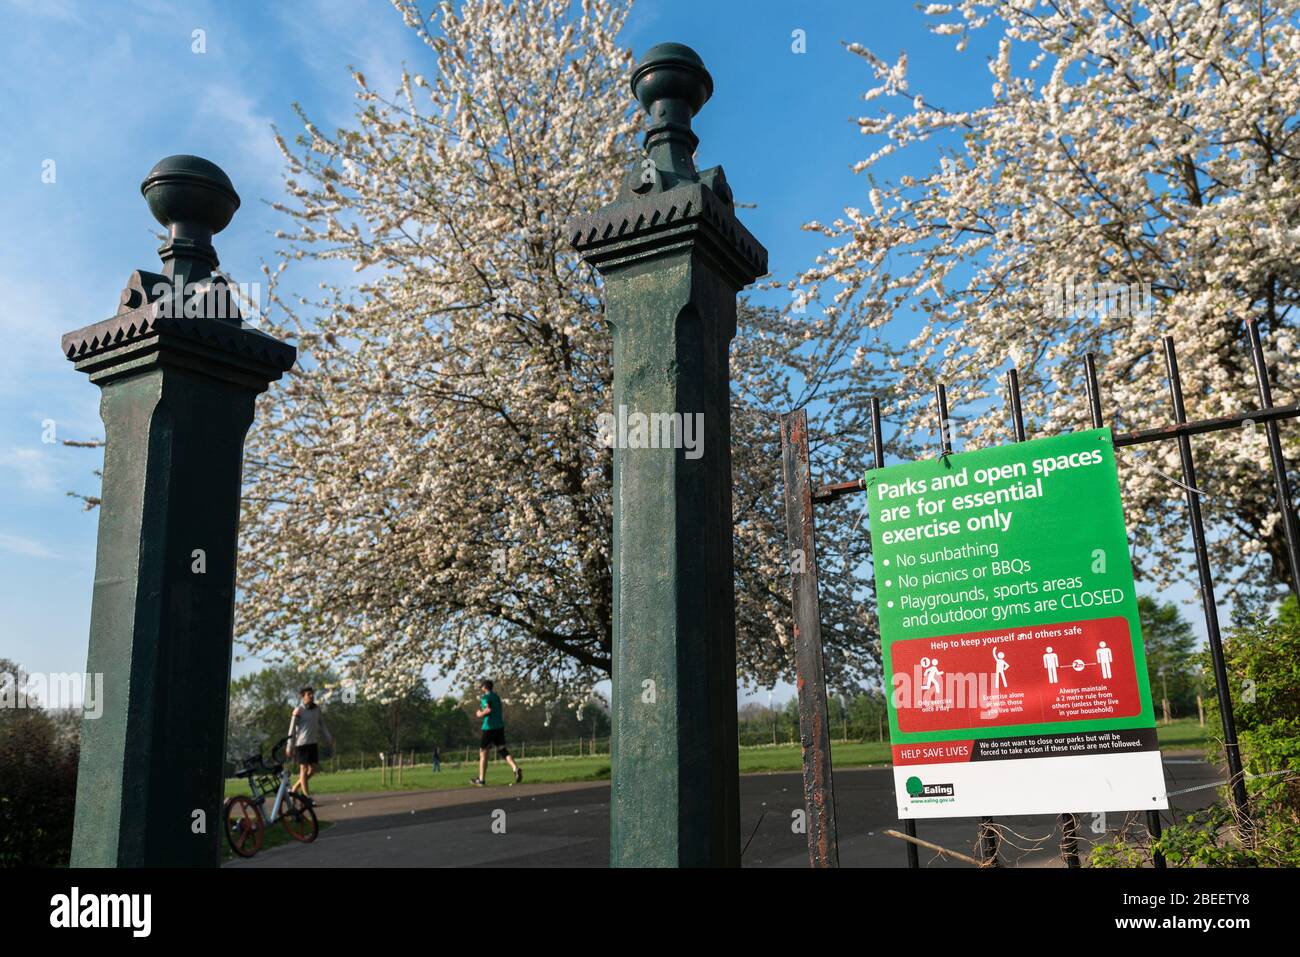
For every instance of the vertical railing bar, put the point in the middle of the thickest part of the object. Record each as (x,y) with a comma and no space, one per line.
(877,439)
(1154,831)
(1013,400)
(1069,844)
(1232,751)
(945,438)
(1094,406)
(1275,455)
(1094,393)
(1070,839)
(878,447)
(988,836)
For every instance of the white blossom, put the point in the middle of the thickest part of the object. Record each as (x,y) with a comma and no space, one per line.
(427,489)
(1160,153)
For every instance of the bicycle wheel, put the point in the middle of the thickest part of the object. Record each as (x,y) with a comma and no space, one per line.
(245,827)
(299,818)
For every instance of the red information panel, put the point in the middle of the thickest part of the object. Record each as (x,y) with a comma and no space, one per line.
(1074,671)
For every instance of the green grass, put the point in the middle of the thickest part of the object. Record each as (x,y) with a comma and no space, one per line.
(1181,735)
(786,757)
(1186,734)
(454,774)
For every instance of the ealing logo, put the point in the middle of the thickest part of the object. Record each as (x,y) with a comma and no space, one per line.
(917,790)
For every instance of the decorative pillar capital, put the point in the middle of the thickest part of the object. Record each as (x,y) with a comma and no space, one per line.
(665,204)
(185,313)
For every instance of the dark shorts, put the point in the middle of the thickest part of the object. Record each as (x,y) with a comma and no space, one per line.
(308,754)
(493,738)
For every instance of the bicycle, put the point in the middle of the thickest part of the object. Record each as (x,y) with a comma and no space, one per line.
(245,821)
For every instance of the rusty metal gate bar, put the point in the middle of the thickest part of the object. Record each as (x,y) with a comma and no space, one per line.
(814,725)
(801,495)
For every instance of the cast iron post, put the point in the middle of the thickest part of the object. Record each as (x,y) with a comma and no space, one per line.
(674,256)
(179,372)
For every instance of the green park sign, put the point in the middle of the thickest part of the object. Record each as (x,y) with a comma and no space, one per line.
(1017,681)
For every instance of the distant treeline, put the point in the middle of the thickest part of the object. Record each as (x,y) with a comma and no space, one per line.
(261,703)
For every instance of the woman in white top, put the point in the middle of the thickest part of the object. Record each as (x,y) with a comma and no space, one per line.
(307,731)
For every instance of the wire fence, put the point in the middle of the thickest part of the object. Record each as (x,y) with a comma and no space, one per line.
(463,754)
(754,734)
(748,737)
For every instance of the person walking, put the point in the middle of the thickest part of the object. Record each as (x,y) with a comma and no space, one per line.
(494,734)
(437,759)
(307,731)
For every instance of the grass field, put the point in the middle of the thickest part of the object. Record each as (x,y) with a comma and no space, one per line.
(1179,735)
(1186,734)
(454,774)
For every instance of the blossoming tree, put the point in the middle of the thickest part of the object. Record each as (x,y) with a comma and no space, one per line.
(1147,146)
(428,489)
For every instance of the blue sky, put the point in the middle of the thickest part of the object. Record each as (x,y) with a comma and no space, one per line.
(106,89)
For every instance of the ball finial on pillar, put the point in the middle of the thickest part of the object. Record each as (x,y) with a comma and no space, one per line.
(672,71)
(194,199)
(672,84)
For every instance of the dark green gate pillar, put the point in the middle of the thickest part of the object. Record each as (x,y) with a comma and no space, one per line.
(179,372)
(674,256)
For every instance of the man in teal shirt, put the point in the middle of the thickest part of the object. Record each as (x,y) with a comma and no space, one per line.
(494,733)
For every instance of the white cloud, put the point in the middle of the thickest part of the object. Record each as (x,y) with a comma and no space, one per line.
(18,545)
(251,142)
(64,10)
(34,467)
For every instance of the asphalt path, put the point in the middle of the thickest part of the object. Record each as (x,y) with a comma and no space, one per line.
(567,825)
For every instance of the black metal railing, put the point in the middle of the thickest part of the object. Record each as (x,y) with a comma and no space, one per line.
(801,495)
